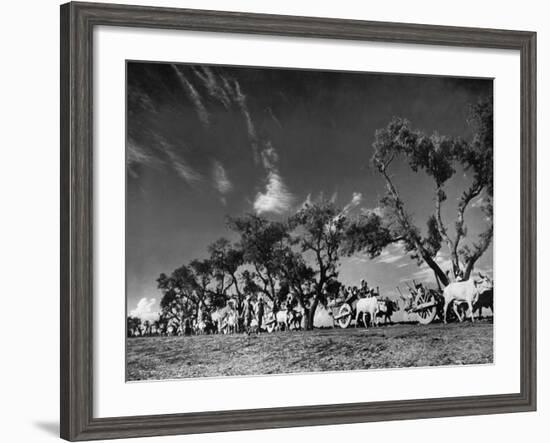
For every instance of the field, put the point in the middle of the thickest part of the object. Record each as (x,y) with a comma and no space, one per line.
(396,346)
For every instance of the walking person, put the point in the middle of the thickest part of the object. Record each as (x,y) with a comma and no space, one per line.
(248,312)
(260,311)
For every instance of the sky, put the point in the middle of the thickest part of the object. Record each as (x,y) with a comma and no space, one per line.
(207,141)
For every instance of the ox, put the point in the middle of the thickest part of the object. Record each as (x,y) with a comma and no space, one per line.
(281,318)
(370,307)
(254,328)
(219,318)
(232,322)
(485,300)
(200,327)
(391,307)
(464,292)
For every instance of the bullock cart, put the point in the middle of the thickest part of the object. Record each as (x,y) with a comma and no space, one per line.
(344,311)
(425,303)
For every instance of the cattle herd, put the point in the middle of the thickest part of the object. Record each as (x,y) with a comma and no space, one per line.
(257,315)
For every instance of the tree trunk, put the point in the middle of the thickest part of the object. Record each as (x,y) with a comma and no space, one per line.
(437,270)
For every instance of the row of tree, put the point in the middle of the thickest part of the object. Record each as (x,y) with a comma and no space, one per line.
(301,254)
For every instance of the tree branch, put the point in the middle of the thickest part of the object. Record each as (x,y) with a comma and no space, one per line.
(467,196)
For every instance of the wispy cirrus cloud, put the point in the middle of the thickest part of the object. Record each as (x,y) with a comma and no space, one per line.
(221,181)
(179,164)
(392,254)
(141,99)
(276,198)
(388,258)
(212,85)
(183,169)
(139,155)
(145,309)
(355,201)
(159,153)
(233,88)
(270,157)
(195,97)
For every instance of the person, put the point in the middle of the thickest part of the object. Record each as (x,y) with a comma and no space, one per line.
(248,312)
(364,290)
(260,310)
(343,294)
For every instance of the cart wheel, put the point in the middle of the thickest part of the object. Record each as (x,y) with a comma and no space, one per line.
(426,316)
(271,322)
(344,314)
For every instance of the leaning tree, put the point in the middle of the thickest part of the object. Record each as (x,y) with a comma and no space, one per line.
(440,158)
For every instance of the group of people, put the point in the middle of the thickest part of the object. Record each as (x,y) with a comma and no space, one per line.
(361,291)
(230,319)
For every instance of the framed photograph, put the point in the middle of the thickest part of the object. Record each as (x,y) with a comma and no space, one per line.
(273,221)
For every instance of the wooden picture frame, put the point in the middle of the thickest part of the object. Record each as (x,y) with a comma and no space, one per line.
(77,23)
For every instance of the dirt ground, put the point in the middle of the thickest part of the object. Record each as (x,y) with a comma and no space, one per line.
(395,346)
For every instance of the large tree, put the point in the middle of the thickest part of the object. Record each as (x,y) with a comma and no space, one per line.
(262,242)
(440,158)
(321,232)
(226,259)
(185,291)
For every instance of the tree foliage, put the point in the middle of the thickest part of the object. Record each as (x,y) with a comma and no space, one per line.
(262,242)
(321,232)
(438,157)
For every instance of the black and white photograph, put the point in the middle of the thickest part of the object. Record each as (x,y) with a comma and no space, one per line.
(283,221)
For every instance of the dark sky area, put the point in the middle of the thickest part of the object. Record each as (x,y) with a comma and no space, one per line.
(204,142)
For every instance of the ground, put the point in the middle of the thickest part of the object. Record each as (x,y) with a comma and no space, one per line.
(395,346)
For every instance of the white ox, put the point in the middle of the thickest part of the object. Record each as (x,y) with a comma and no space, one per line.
(370,306)
(464,292)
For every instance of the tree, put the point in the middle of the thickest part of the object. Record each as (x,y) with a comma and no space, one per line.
(438,157)
(297,275)
(262,242)
(185,291)
(133,325)
(226,260)
(321,232)
(174,304)
(200,279)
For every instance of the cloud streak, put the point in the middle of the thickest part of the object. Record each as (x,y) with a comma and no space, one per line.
(392,254)
(221,181)
(195,97)
(208,79)
(355,201)
(180,166)
(138,155)
(233,88)
(276,197)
